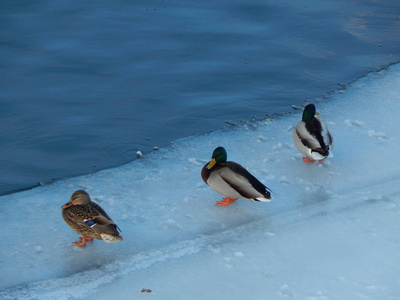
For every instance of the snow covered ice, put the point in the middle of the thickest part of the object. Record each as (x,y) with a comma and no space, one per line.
(331,232)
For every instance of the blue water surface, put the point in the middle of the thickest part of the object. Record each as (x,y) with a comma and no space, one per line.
(84,85)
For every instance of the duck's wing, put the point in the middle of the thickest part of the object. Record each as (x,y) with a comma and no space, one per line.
(326,135)
(242,181)
(315,136)
(99,220)
(307,136)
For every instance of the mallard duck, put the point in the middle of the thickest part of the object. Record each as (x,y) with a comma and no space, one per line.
(311,136)
(232,180)
(89,219)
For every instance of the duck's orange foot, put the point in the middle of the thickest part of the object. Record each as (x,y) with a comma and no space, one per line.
(307,159)
(83,241)
(227,201)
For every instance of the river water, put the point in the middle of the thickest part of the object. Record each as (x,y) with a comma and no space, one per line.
(84,85)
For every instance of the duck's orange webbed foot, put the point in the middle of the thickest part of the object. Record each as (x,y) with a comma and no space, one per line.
(227,201)
(83,241)
(307,159)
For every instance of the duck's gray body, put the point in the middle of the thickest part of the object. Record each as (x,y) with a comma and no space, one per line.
(313,139)
(232,180)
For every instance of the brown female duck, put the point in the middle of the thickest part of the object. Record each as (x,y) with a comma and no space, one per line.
(89,219)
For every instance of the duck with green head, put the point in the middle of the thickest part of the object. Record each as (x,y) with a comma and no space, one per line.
(312,137)
(232,180)
(89,219)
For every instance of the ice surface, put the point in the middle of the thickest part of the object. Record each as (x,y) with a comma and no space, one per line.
(331,232)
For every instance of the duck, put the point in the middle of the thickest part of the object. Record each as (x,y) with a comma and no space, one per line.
(88,219)
(231,180)
(312,137)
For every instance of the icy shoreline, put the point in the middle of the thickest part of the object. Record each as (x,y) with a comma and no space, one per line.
(330,233)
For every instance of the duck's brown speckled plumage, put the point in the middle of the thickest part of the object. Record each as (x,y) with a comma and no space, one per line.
(90,220)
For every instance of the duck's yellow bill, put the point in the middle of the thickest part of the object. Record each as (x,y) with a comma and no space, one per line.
(211,163)
(317,113)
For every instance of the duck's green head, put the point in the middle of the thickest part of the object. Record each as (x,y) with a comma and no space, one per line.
(79,197)
(219,156)
(309,113)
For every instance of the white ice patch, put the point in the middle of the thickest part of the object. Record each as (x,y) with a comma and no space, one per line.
(354,123)
(379,135)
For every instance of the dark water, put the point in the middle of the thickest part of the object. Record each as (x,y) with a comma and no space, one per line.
(85,84)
